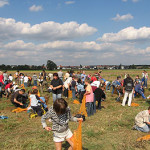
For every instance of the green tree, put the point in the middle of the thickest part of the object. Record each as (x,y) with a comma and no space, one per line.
(51,65)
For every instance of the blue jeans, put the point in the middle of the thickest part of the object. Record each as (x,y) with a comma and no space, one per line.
(89,108)
(108,86)
(56,96)
(141,93)
(146,82)
(114,89)
(143,81)
(25,84)
(146,128)
(35,82)
(73,93)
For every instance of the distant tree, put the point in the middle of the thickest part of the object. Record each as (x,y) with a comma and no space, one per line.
(119,67)
(51,65)
(132,67)
(80,66)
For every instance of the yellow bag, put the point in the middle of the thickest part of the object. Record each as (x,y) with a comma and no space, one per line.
(77,137)
(83,108)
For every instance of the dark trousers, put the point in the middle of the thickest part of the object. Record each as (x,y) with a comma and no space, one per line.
(38,110)
(21,99)
(66,92)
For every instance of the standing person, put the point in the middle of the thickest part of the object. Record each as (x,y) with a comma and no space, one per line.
(142,121)
(89,98)
(10,78)
(1,80)
(60,114)
(44,83)
(83,76)
(67,85)
(143,78)
(34,79)
(16,77)
(74,87)
(56,86)
(21,78)
(26,81)
(81,90)
(60,74)
(128,89)
(146,78)
(5,77)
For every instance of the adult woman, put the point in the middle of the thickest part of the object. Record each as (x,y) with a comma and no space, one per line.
(56,86)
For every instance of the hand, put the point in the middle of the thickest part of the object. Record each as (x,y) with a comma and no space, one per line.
(21,104)
(48,128)
(80,119)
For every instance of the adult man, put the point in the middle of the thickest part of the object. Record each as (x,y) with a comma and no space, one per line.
(128,89)
(18,99)
(83,76)
(142,121)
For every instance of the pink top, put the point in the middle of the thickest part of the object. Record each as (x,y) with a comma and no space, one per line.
(89,97)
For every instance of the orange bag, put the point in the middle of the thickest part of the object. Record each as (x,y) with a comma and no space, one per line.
(69,94)
(22,86)
(76,102)
(144,138)
(77,137)
(83,108)
(19,110)
(134,104)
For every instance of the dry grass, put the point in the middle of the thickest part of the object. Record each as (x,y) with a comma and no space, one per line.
(108,129)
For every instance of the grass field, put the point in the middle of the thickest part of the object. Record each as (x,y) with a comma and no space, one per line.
(108,129)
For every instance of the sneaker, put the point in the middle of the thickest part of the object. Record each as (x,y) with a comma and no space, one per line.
(134,127)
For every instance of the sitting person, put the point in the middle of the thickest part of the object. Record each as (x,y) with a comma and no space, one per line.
(142,121)
(18,99)
(45,100)
(99,95)
(34,102)
(139,90)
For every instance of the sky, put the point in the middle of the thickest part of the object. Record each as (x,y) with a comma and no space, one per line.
(74,32)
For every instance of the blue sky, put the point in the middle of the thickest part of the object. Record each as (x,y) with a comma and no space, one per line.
(73,32)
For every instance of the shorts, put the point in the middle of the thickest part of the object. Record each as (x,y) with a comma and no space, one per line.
(60,137)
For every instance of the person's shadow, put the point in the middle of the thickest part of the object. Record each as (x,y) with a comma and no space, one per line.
(66,145)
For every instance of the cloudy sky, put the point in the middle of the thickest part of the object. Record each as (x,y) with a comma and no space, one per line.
(74,32)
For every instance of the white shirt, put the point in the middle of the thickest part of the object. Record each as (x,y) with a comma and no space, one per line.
(68,81)
(34,100)
(95,83)
(25,79)
(10,78)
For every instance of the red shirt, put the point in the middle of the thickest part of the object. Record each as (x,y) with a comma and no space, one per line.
(1,79)
(7,86)
(93,79)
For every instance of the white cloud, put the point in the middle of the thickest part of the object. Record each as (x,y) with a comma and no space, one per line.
(3,3)
(36,8)
(11,30)
(71,53)
(126,17)
(69,2)
(134,1)
(127,34)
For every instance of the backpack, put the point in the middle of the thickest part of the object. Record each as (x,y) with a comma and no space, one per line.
(129,85)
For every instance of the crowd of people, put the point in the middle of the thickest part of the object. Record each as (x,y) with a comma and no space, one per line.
(93,86)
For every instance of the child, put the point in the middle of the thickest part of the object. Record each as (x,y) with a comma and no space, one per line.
(60,115)
(99,94)
(81,90)
(89,97)
(26,81)
(10,77)
(34,79)
(8,89)
(74,87)
(34,102)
